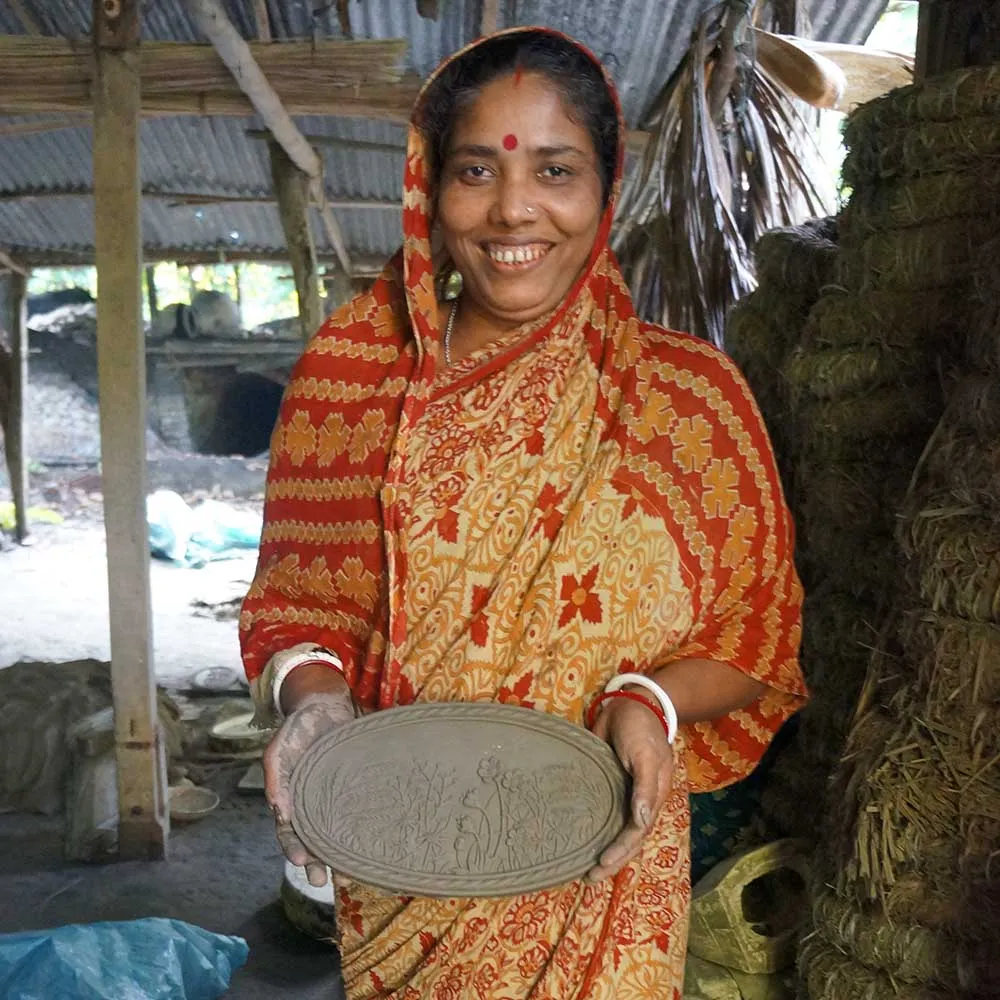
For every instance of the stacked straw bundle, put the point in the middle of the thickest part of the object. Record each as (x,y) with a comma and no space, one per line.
(763,330)
(862,389)
(793,266)
(910,904)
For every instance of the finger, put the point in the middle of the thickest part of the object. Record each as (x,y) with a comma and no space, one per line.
(276,789)
(316,872)
(625,846)
(292,847)
(665,782)
(624,850)
(644,763)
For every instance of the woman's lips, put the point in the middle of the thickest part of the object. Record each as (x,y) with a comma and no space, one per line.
(516,257)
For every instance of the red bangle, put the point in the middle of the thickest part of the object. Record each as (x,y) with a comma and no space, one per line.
(632,696)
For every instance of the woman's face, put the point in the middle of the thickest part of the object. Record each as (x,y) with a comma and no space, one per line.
(519,201)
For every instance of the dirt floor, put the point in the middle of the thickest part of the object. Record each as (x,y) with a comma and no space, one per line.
(224,871)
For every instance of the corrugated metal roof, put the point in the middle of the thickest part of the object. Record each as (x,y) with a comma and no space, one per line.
(641,41)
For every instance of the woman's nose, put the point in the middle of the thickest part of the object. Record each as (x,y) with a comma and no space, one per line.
(513,205)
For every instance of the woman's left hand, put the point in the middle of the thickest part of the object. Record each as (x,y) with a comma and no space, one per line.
(637,736)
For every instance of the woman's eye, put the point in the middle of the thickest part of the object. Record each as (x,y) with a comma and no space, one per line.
(556,172)
(476,172)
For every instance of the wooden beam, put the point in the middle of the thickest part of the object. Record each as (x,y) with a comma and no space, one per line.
(14,419)
(321,76)
(365,265)
(27,19)
(292,188)
(952,34)
(361,145)
(16,129)
(181,198)
(380,204)
(7,263)
(262,20)
(144,823)
(488,16)
(236,54)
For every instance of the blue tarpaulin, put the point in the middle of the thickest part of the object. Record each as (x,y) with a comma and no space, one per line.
(149,959)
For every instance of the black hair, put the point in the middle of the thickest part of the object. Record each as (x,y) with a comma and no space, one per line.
(581,85)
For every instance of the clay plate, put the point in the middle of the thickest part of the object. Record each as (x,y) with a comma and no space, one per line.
(459,799)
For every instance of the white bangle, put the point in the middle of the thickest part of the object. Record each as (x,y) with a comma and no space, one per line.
(641,680)
(317,655)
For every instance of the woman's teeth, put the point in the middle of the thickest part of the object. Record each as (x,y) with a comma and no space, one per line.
(516,255)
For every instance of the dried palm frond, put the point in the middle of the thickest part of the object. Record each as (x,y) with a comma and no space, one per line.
(729,157)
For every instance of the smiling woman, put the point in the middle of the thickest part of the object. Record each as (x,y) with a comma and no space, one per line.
(575,512)
(525,144)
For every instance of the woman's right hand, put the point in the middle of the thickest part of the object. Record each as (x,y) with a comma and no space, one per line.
(311,714)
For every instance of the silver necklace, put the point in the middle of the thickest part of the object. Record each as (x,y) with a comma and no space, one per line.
(447,334)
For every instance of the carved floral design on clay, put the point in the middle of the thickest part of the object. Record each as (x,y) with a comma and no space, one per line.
(511,819)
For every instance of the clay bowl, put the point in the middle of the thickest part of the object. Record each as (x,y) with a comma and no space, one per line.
(191,802)
(458,799)
(236,734)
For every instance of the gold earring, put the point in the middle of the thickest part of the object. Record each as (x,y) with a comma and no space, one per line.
(453,286)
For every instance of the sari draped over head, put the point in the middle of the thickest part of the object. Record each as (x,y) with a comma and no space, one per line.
(586,496)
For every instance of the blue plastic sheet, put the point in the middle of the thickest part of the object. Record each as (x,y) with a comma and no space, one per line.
(150,959)
(196,535)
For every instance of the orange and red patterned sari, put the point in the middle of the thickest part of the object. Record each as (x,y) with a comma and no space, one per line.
(589,496)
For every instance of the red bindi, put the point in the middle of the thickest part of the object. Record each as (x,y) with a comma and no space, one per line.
(510,141)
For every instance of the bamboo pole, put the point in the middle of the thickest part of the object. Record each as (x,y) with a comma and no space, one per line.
(144,823)
(291,186)
(236,54)
(15,426)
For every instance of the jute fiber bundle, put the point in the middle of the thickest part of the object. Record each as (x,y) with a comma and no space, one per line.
(857,428)
(974,405)
(927,147)
(797,261)
(954,661)
(962,94)
(914,320)
(828,973)
(961,457)
(909,953)
(919,201)
(841,372)
(849,496)
(937,255)
(955,562)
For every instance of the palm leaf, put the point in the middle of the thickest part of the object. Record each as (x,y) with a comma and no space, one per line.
(709,184)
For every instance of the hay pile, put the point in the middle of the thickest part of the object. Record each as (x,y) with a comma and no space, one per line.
(793,266)
(863,388)
(911,900)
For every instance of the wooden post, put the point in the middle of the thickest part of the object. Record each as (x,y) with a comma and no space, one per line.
(489,11)
(211,18)
(154,306)
(12,421)
(262,20)
(142,786)
(956,33)
(237,282)
(291,188)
